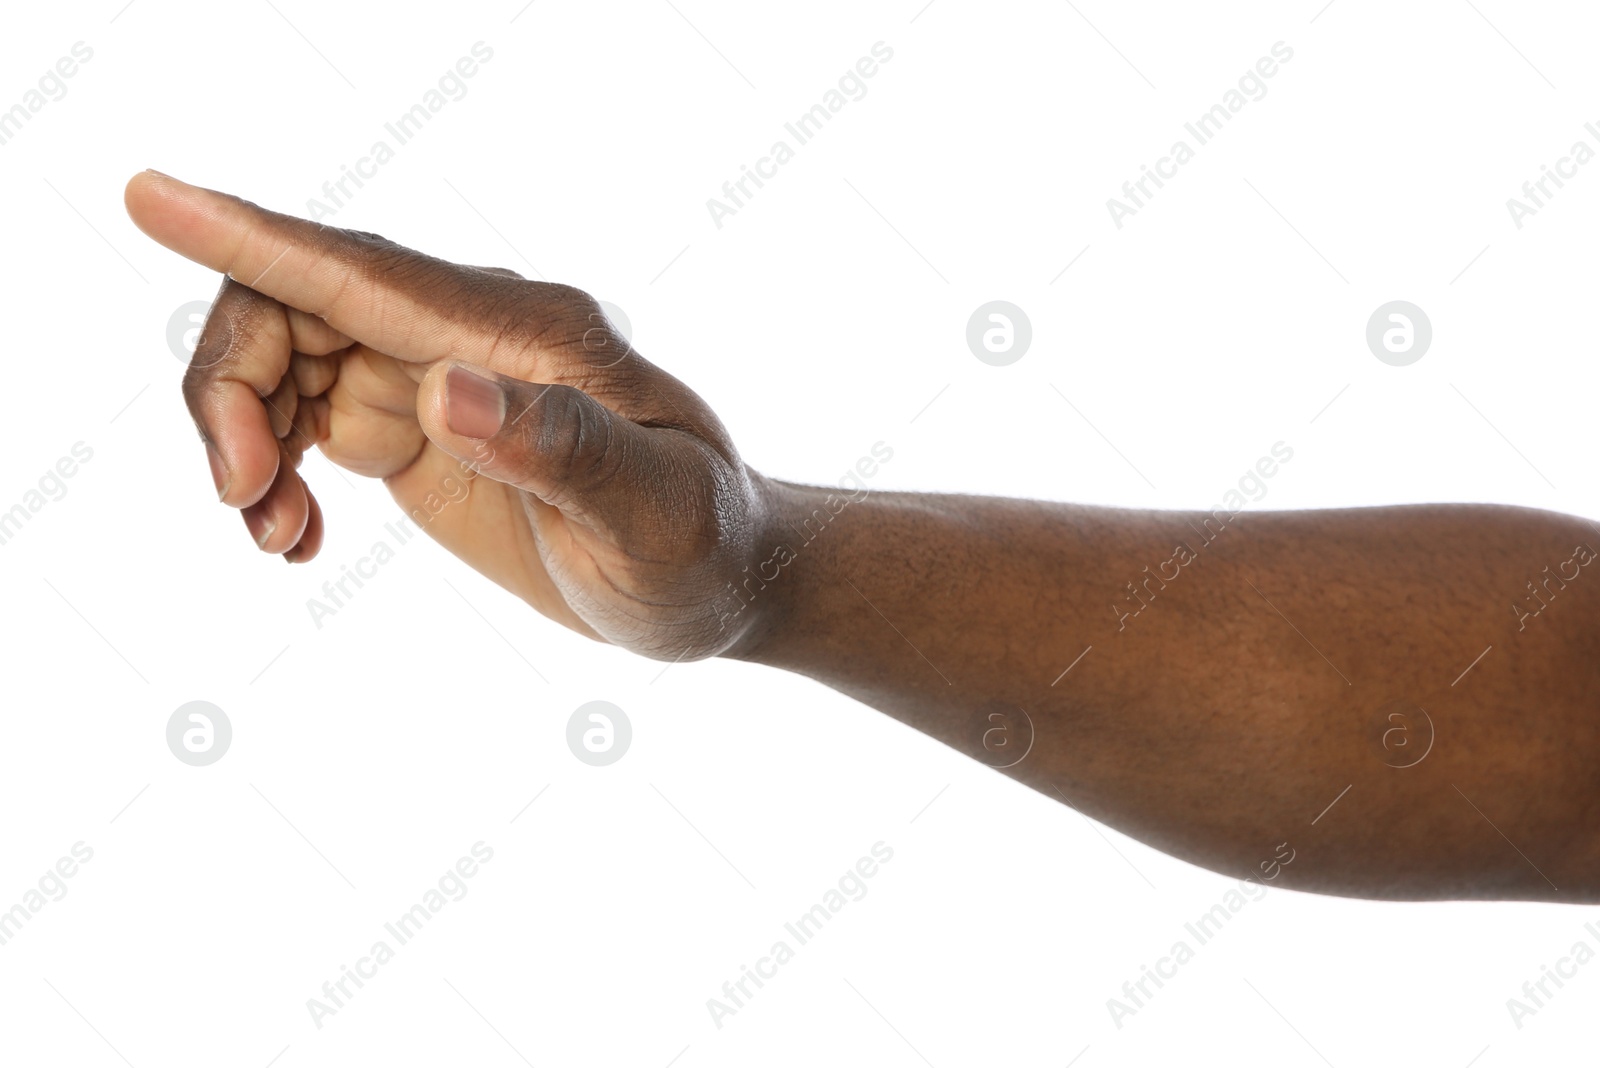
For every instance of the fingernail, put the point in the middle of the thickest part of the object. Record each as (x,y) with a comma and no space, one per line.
(473,405)
(158,174)
(219,471)
(259,524)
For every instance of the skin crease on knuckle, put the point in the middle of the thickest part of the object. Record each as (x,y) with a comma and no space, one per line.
(567,438)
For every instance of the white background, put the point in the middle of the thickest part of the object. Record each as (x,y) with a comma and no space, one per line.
(370,754)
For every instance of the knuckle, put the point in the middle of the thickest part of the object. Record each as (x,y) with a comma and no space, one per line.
(342,275)
(194,388)
(353,260)
(574,437)
(574,321)
(575,298)
(230,319)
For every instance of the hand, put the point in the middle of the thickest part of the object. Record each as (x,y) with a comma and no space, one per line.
(614,501)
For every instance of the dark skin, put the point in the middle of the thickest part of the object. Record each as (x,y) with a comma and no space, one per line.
(1262,677)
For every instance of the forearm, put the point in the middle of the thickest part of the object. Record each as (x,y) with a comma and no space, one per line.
(1247,677)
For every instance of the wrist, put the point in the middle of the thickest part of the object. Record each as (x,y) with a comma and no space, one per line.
(766,596)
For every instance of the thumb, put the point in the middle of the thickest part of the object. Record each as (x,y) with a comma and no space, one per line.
(561,445)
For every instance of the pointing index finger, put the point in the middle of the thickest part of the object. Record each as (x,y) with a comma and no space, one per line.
(395,300)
